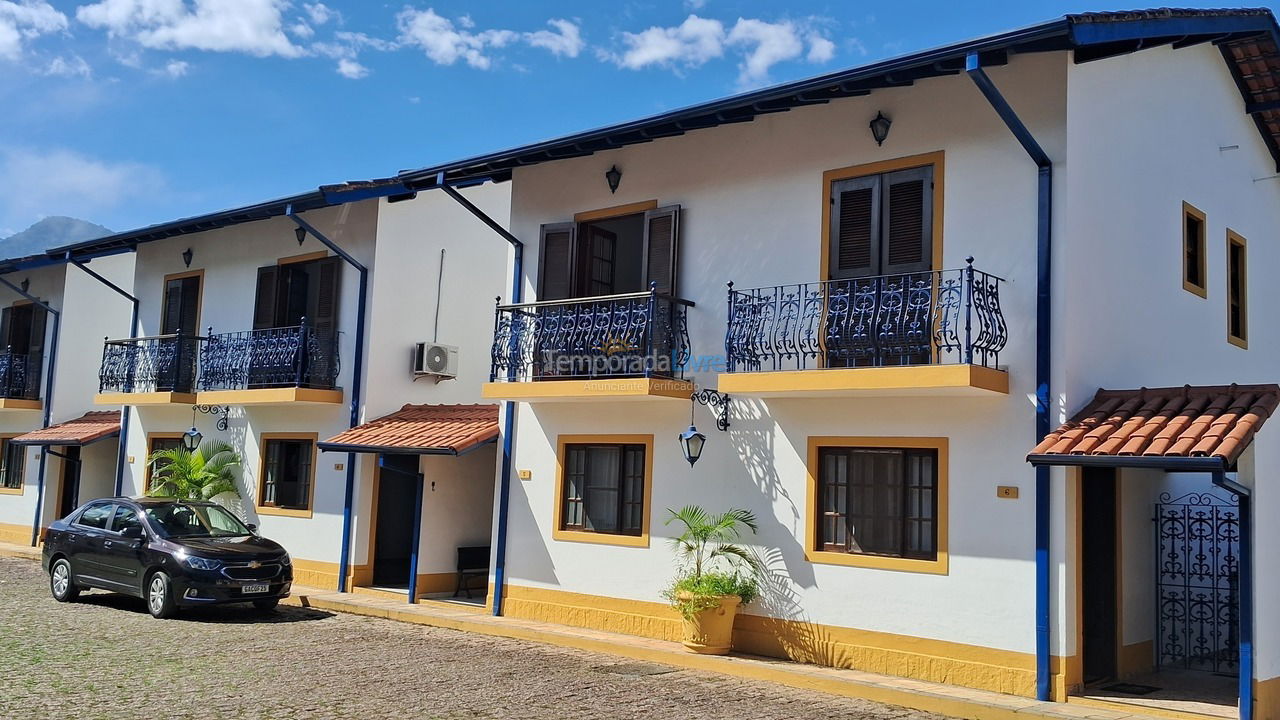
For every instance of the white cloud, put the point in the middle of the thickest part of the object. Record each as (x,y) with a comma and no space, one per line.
(301,30)
(565,39)
(24,20)
(689,44)
(254,27)
(351,69)
(175,68)
(69,66)
(37,183)
(765,44)
(821,49)
(444,43)
(321,13)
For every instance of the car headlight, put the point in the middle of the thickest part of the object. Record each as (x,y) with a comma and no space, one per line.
(199,563)
(286,560)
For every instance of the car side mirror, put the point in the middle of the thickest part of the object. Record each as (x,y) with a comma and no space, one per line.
(253,527)
(133,533)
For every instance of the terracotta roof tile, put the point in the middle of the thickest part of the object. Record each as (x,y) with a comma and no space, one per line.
(422,428)
(1217,421)
(86,429)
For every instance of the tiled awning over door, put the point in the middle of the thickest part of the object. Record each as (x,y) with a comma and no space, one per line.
(84,430)
(1183,422)
(421,430)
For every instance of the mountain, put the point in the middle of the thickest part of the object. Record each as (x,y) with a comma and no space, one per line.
(50,232)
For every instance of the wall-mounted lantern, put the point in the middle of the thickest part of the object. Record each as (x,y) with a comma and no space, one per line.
(191,439)
(613,176)
(880,127)
(692,441)
(186,257)
(300,233)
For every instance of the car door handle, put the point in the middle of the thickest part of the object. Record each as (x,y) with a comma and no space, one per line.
(106,543)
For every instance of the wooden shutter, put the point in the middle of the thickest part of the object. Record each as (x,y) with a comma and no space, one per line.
(855,228)
(575,473)
(662,248)
(6,326)
(556,261)
(329,272)
(264,302)
(172,316)
(907,218)
(39,322)
(633,489)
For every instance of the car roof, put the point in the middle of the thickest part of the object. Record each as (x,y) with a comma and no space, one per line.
(154,501)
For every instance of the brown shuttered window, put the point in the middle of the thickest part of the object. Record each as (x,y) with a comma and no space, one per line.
(878,501)
(181,306)
(286,474)
(264,301)
(1193,251)
(610,255)
(882,224)
(604,488)
(158,444)
(556,261)
(662,248)
(13,462)
(1237,290)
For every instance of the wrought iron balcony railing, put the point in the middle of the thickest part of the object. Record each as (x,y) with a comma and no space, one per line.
(297,356)
(642,334)
(20,374)
(925,318)
(162,363)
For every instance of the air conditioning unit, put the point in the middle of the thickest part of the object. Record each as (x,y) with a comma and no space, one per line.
(435,360)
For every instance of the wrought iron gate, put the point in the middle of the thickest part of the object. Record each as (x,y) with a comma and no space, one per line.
(1197,582)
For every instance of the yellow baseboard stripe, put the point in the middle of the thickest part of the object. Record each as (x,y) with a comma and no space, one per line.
(324,575)
(15,534)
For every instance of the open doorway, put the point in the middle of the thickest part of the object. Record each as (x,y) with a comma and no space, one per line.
(1099,586)
(396,511)
(69,487)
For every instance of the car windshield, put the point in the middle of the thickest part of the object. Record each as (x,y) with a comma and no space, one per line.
(182,520)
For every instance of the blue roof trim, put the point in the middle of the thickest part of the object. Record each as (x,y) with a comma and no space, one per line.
(1091,35)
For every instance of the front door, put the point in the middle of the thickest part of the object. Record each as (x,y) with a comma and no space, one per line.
(69,495)
(396,512)
(1100,565)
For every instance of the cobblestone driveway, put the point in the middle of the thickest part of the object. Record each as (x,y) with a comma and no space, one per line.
(104,657)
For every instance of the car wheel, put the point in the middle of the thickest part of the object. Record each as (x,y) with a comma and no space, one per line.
(266,604)
(64,589)
(160,597)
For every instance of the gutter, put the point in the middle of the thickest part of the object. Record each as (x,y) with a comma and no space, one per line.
(508,407)
(357,375)
(1044,320)
(125,410)
(48,398)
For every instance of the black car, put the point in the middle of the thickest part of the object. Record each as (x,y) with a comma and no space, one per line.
(172,553)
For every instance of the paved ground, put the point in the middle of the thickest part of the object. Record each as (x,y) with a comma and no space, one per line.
(104,657)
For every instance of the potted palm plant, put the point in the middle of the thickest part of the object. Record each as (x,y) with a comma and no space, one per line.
(715,577)
(202,474)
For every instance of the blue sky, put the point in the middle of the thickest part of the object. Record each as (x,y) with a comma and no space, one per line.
(130,112)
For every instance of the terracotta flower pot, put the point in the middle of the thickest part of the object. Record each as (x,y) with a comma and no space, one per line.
(710,632)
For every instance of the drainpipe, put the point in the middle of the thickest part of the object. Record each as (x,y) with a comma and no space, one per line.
(48,398)
(1245,643)
(1044,319)
(125,410)
(508,407)
(357,374)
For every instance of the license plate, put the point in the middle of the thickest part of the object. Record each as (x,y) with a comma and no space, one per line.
(254,589)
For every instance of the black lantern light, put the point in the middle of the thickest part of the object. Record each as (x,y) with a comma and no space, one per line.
(26,284)
(613,176)
(191,439)
(300,233)
(880,127)
(186,257)
(692,441)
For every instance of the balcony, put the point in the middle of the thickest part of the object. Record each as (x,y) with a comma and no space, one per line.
(927,333)
(275,366)
(20,380)
(269,367)
(156,370)
(615,347)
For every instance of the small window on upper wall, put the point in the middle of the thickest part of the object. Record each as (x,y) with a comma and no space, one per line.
(1237,291)
(1193,250)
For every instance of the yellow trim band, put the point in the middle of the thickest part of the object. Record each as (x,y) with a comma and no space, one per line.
(570,390)
(965,379)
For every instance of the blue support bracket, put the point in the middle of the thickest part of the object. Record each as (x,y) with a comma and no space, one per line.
(1044,335)
(357,376)
(48,397)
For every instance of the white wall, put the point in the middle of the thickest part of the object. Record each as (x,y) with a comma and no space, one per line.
(1149,131)
(751,197)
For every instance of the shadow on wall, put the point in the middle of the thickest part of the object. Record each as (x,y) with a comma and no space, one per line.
(235,436)
(774,624)
(751,432)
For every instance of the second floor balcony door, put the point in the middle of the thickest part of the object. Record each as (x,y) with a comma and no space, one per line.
(880,282)
(23,329)
(296,316)
(175,361)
